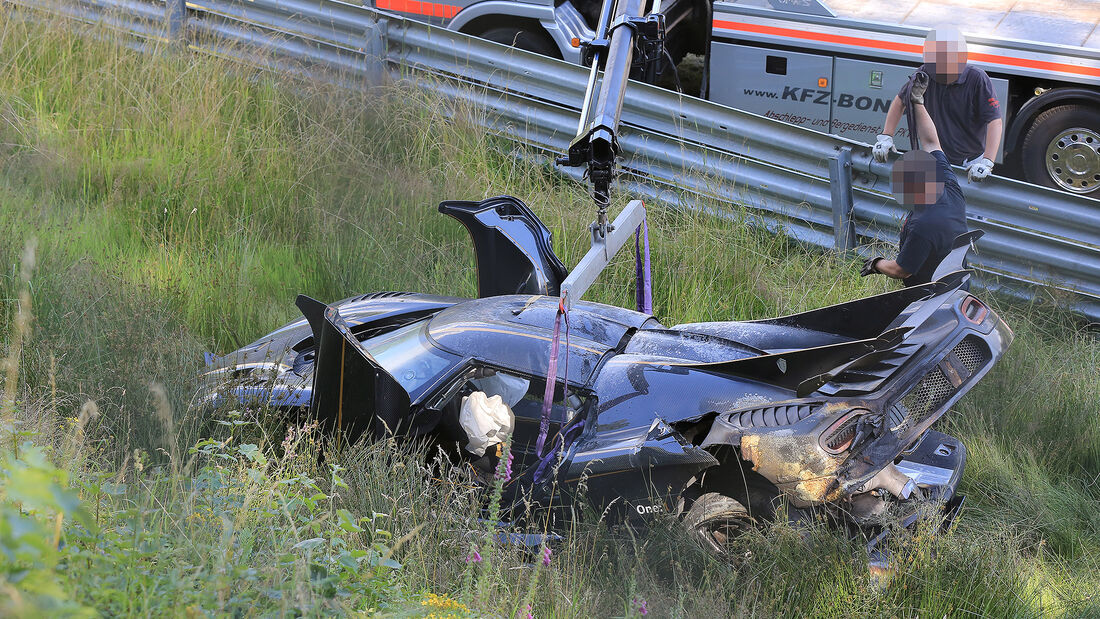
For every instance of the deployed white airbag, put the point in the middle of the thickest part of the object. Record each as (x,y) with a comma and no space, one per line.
(511,389)
(486,420)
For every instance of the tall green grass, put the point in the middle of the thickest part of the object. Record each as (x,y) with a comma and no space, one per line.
(180,202)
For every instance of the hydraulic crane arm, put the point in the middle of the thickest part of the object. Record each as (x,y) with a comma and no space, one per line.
(627,38)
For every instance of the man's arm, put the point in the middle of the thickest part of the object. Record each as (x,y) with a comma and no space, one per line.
(884,142)
(893,116)
(993,132)
(926,129)
(891,268)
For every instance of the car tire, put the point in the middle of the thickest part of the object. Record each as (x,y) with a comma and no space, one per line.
(1061,149)
(714,520)
(523,38)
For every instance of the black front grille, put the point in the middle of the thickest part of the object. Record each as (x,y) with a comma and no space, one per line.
(927,397)
(972,353)
(935,388)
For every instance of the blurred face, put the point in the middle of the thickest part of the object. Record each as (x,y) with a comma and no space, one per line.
(945,54)
(914,180)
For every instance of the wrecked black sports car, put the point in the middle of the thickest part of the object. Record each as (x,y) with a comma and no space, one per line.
(723,423)
(720,422)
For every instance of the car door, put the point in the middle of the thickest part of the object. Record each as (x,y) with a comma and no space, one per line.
(512,247)
(352,393)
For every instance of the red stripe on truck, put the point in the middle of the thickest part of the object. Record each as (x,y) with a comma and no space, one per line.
(1044,65)
(818,36)
(806,35)
(419,7)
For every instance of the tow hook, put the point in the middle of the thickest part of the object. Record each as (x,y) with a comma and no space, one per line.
(892,480)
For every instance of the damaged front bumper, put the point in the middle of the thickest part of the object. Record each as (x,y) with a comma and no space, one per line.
(935,466)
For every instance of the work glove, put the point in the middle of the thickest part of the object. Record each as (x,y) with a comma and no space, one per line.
(920,84)
(869,266)
(883,147)
(978,169)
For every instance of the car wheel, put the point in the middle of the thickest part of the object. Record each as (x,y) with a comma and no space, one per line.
(714,520)
(1062,149)
(522,38)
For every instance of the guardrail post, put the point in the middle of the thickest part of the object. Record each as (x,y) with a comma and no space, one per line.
(840,184)
(175,12)
(375,49)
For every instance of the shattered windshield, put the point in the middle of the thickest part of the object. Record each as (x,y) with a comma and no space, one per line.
(407,355)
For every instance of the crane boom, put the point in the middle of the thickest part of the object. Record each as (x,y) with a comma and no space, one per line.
(624,32)
(627,39)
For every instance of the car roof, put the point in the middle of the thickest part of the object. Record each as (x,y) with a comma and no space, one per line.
(515,332)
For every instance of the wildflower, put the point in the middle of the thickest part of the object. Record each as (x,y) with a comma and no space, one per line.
(507,474)
(546,556)
(640,605)
(288,443)
(443,607)
(528,614)
(473,557)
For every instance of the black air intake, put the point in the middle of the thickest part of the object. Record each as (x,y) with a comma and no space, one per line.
(385,294)
(936,388)
(772,416)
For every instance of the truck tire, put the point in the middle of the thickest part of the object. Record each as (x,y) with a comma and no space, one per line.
(523,38)
(1061,149)
(714,520)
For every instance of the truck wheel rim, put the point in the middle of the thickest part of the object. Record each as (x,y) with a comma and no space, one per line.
(1073,160)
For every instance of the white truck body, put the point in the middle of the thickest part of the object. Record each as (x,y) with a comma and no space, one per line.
(835,69)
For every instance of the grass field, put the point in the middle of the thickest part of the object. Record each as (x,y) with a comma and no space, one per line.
(175,203)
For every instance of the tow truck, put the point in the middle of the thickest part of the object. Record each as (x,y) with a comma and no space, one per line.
(836,69)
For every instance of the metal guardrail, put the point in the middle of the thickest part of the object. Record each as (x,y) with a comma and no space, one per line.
(677,149)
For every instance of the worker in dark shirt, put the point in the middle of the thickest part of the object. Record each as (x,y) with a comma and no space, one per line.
(961,102)
(923,180)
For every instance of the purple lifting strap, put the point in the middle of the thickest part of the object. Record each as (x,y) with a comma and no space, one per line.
(643,292)
(551,378)
(643,288)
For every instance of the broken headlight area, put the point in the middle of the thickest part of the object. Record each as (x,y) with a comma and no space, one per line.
(842,456)
(801,447)
(850,430)
(919,486)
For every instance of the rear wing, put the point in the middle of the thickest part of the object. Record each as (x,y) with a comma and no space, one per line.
(869,317)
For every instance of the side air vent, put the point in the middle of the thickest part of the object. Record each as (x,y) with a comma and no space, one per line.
(773,416)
